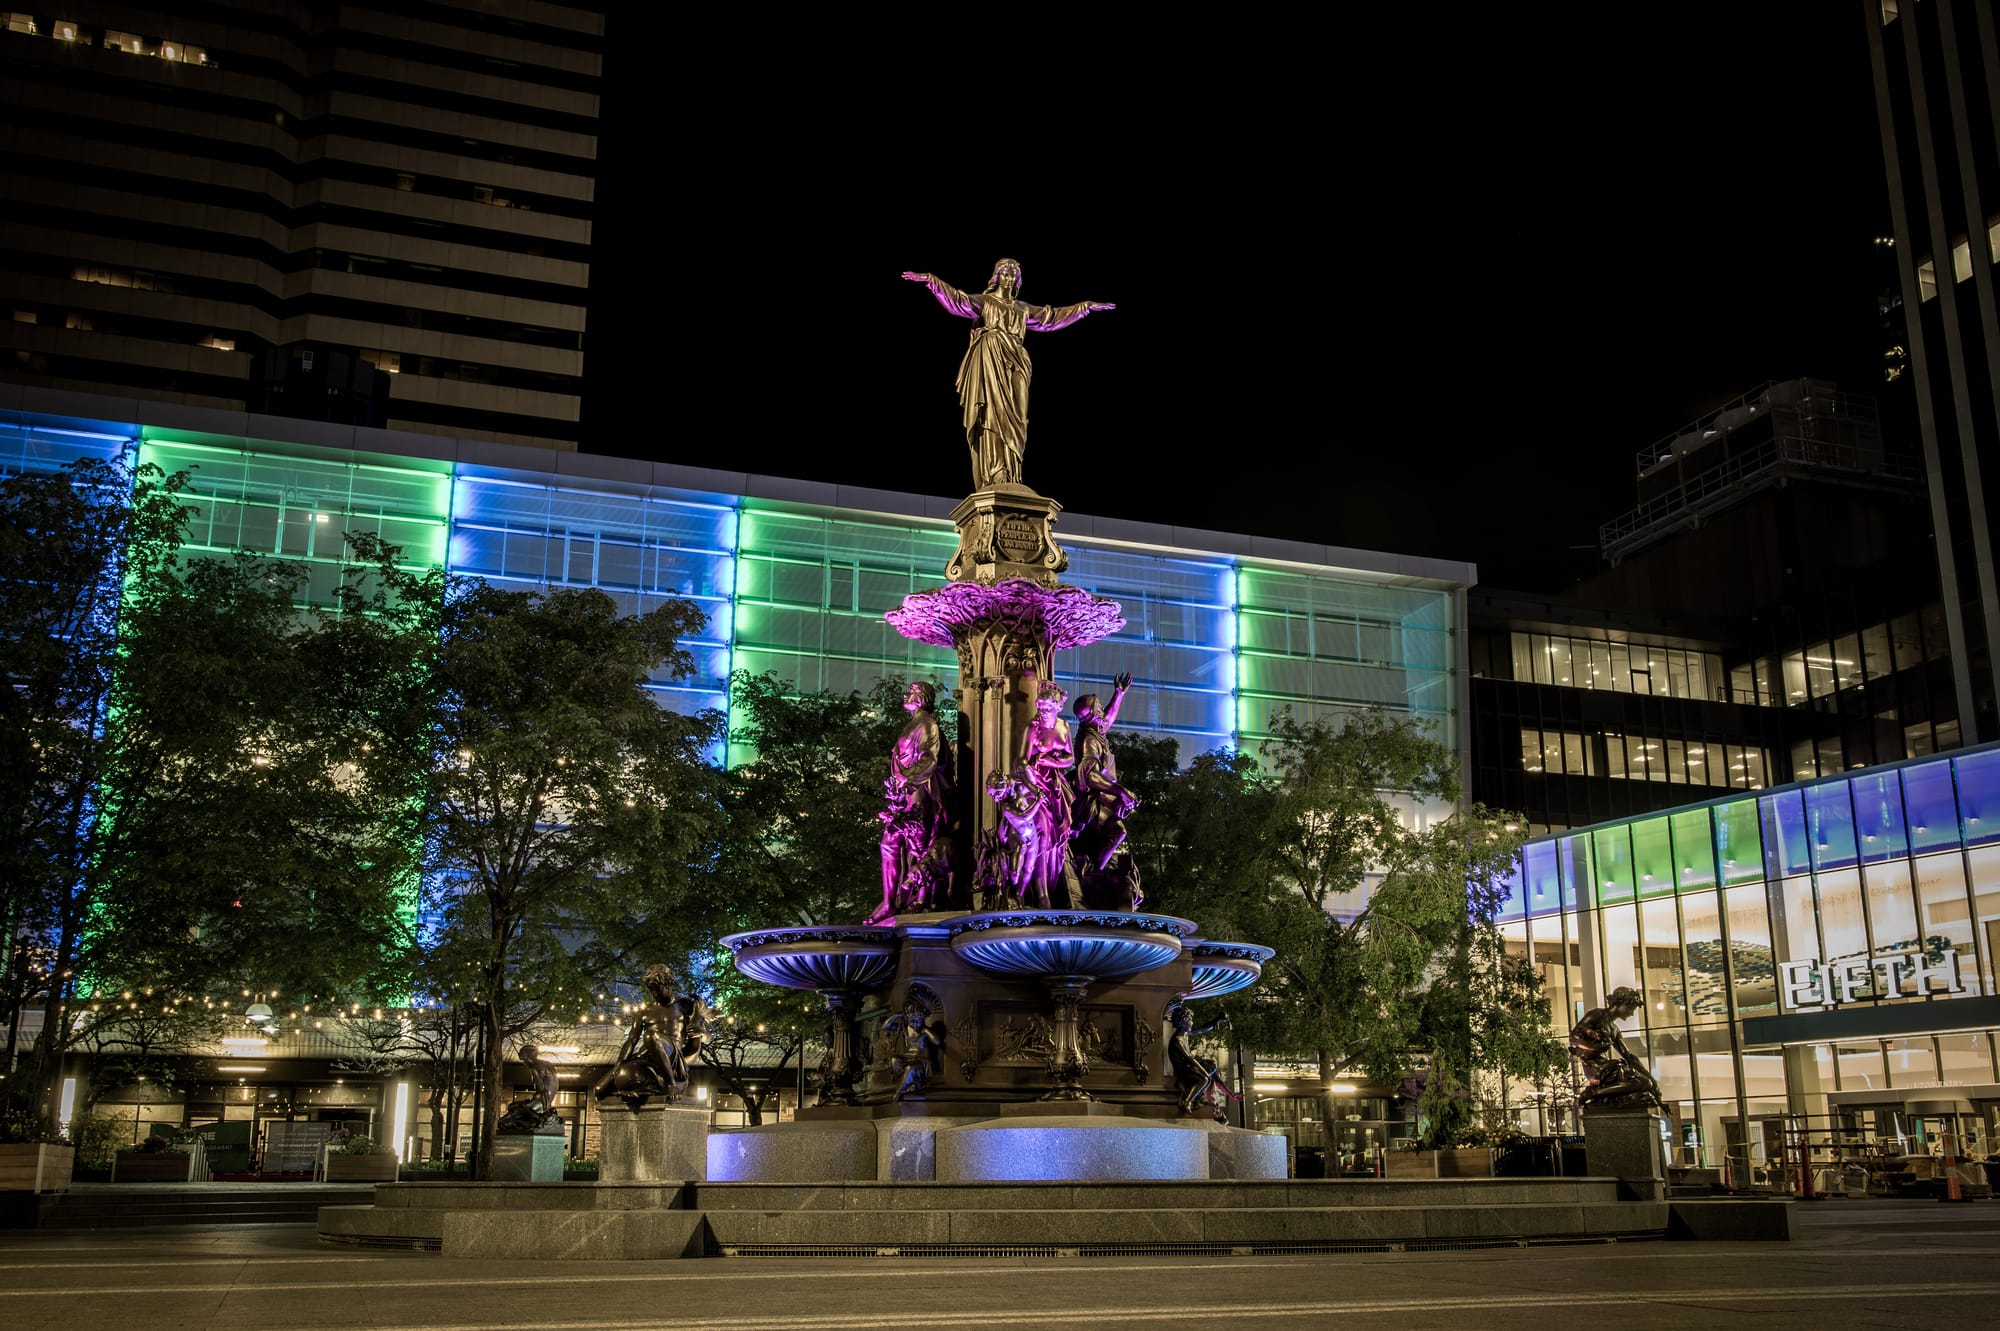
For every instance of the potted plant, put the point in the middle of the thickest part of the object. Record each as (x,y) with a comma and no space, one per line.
(355,1157)
(30,1162)
(154,1160)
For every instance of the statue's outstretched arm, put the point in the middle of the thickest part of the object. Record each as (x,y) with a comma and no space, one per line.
(949,296)
(1048,318)
(1118,687)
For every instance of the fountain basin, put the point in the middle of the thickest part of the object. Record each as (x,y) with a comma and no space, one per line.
(1224,968)
(844,958)
(1046,944)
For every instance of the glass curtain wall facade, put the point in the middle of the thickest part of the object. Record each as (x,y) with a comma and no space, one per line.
(1217,643)
(1820,951)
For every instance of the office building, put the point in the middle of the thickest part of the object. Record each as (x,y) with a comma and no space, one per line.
(1817,965)
(1937,99)
(372,214)
(1770,613)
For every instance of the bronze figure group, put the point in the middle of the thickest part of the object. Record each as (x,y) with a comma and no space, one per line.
(652,1063)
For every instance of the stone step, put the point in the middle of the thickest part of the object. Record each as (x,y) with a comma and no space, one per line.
(116,1207)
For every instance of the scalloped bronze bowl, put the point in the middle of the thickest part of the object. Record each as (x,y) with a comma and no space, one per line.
(1224,968)
(824,958)
(1046,944)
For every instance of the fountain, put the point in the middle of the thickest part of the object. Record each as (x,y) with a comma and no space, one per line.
(1029,994)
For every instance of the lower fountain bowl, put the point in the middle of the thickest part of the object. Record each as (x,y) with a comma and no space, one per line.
(1045,944)
(1224,968)
(849,957)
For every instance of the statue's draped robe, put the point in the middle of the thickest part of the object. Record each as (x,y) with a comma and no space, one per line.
(993,377)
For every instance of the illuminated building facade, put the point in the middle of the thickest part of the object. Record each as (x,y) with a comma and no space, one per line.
(1817,957)
(377,214)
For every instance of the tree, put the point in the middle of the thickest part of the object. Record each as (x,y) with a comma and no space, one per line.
(1199,839)
(68,542)
(1483,1016)
(1342,889)
(754,1034)
(199,795)
(569,817)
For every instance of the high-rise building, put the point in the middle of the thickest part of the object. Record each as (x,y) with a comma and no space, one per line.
(1937,99)
(366,213)
(1770,613)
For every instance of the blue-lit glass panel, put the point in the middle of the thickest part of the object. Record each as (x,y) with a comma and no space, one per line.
(1931,806)
(1878,816)
(1611,849)
(1544,887)
(32,449)
(641,549)
(1830,821)
(1787,850)
(1177,644)
(1979,796)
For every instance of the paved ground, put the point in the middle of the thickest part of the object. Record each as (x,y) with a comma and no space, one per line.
(1907,1265)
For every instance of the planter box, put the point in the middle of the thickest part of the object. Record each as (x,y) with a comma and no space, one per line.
(360,1168)
(36,1167)
(150,1167)
(1458,1162)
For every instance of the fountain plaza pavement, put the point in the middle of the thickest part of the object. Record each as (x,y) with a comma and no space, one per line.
(1889,1264)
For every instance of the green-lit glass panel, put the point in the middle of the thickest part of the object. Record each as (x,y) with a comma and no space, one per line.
(301,508)
(1652,857)
(1694,851)
(811,590)
(1738,850)
(1324,645)
(1611,849)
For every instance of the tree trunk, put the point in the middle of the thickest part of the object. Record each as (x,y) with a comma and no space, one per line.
(54,1039)
(1327,1105)
(489,1109)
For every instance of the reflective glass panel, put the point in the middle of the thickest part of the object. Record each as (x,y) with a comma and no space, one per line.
(1830,824)
(1979,796)
(1840,921)
(1892,907)
(1694,857)
(1543,891)
(1612,855)
(1878,816)
(1704,990)
(1752,963)
(1984,865)
(1931,805)
(1947,914)
(1621,945)
(1736,842)
(1966,1057)
(1786,847)
(1861,1067)
(1911,1061)
(1652,857)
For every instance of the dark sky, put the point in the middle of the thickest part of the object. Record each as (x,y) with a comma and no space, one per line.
(1419,285)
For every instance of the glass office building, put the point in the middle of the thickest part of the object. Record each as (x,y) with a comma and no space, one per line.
(1821,953)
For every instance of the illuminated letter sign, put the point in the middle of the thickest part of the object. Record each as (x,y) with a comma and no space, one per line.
(1811,984)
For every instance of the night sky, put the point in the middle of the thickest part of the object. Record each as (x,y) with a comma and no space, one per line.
(1417,285)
